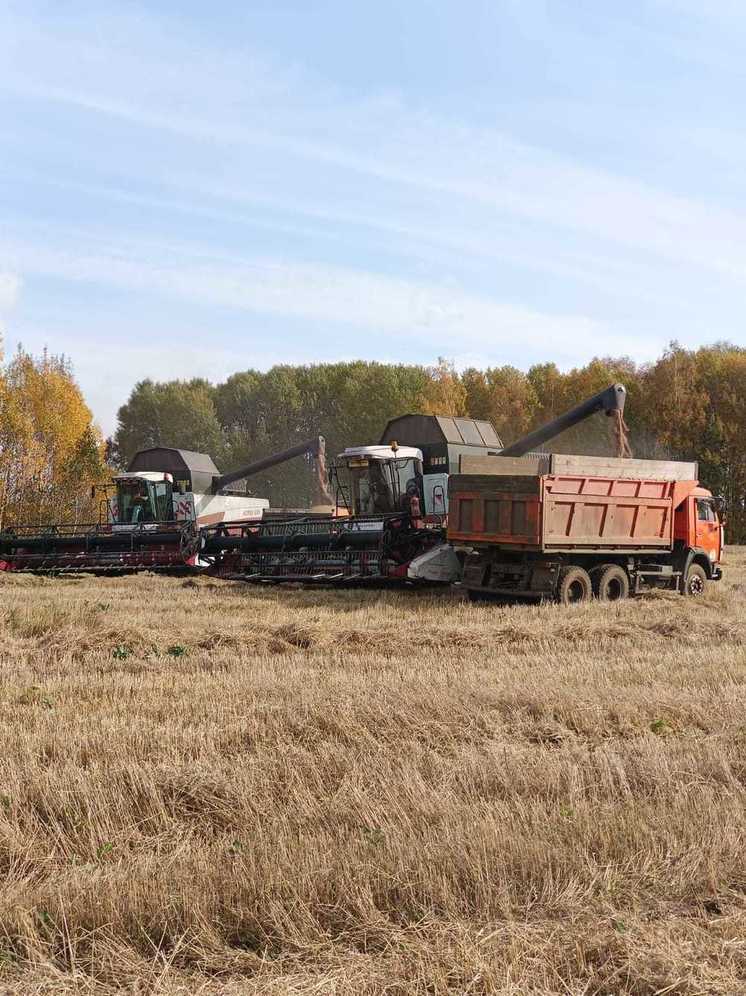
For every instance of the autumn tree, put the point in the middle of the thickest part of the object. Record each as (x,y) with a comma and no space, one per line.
(444,392)
(50,450)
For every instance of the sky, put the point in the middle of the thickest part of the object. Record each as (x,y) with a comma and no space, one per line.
(191,189)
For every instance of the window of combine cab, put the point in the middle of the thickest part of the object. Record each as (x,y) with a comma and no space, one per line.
(163,501)
(706,510)
(409,474)
(371,487)
(134,503)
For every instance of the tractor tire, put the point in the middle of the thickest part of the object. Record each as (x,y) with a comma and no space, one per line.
(695,581)
(574,586)
(610,583)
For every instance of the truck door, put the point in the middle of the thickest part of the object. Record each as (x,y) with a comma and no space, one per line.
(708,531)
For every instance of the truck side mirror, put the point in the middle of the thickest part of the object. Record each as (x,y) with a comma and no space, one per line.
(721,507)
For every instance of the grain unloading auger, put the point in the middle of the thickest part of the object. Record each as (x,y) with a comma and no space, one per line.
(150,516)
(391,506)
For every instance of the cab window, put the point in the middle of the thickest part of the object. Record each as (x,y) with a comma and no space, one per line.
(705,510)
(134,502)
(409,475)
(163,501)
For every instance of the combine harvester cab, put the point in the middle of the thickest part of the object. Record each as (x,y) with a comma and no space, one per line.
(148,520)
(389,518)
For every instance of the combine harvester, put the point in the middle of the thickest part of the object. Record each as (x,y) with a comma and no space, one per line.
(391,521)
(151,515)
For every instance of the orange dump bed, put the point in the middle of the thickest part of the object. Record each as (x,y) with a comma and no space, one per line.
(564,512)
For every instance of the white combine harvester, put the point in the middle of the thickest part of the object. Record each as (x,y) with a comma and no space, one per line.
(150,515)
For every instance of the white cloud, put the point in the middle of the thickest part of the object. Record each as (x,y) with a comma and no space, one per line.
(366,300)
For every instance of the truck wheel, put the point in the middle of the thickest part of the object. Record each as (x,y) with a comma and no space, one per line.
(610,583)
(574,586)
(695,581)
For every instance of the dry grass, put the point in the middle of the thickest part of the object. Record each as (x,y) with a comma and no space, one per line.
(208,788)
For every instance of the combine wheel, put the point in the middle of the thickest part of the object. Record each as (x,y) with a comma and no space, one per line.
(574,586)
(610,583)
(695,581)
(189,541)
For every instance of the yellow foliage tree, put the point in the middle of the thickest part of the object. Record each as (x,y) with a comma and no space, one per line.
(51,453)
(444,393)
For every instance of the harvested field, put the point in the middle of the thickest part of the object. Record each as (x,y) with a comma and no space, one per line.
(209,788)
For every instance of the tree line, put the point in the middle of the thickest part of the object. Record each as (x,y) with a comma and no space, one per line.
(688,405)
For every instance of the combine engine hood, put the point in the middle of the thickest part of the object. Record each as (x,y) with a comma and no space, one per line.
(316,548)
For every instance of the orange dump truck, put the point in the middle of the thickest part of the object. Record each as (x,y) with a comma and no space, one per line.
(572,527)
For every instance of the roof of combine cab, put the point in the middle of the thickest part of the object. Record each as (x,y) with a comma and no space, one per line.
(422,429)
(382,452)
(198,468)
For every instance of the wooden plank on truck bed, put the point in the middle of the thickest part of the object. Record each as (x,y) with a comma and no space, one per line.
(567,464)
(536,463)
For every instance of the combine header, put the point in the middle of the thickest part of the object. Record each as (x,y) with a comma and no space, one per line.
(150,516)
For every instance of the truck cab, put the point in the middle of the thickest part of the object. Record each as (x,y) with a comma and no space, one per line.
(698,529)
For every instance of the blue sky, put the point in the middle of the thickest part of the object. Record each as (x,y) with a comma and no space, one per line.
(193,189)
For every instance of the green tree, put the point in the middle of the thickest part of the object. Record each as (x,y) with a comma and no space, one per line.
(347,403)
(176,413)
(477,393)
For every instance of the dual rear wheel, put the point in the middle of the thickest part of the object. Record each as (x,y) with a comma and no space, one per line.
(608,583)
